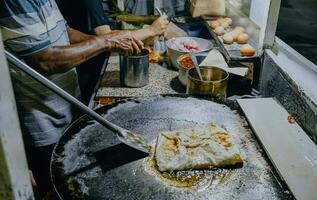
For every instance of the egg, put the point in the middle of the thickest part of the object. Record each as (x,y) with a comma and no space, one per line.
(220,30)
(239,29)
(228,38)
(228,20)
(214,24)
(247,50)
(243,38)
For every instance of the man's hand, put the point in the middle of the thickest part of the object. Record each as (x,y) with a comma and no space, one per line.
(159,26)
(126,44)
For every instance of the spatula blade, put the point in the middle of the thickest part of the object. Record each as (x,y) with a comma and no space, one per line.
(133,140)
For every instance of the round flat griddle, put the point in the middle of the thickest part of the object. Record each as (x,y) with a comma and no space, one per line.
(89,162)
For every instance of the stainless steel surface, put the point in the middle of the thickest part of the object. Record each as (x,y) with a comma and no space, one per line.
(134,70)
(173,54)
(124,135)
(82,166)
(292,152)
(214,84)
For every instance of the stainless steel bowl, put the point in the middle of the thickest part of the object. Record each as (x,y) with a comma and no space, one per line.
(173,54)
(214,84)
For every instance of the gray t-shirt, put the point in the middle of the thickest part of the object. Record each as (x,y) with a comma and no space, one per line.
(28,26)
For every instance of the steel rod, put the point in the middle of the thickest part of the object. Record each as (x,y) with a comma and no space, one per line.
(69,98)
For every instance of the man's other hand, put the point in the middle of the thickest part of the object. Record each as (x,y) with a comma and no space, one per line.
(159,26)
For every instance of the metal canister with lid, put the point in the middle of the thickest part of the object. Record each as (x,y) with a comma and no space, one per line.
(134,70)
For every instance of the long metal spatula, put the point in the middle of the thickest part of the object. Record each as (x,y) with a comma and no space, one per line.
(129,138)
(195,62)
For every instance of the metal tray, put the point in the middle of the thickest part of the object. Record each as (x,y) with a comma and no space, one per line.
(90,163)
(232,52)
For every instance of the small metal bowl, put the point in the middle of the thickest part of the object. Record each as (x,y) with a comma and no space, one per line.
(214,84)
(182,72)
(182,77)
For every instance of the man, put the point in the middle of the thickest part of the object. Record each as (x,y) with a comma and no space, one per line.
(88,16)
(36,31)
(145,7)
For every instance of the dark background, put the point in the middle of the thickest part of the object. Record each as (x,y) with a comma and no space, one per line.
(297,26)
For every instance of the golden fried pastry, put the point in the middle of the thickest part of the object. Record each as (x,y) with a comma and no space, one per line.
(247,50)
(243,38)
(228,38)
(239,29)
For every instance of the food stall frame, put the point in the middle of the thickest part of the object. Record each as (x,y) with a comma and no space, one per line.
(302,88)
(14,176)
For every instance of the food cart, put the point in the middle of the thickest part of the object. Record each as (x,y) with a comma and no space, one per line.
(271,114)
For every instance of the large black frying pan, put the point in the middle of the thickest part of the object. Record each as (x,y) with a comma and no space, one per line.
(91,163)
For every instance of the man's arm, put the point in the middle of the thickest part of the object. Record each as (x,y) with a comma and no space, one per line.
(158,27)
(77,36)
(58,59)
(101,30)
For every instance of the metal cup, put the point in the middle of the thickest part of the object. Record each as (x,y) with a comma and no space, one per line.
(134,70)
(214,84)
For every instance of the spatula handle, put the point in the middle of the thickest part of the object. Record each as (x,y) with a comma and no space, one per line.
(69,98)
